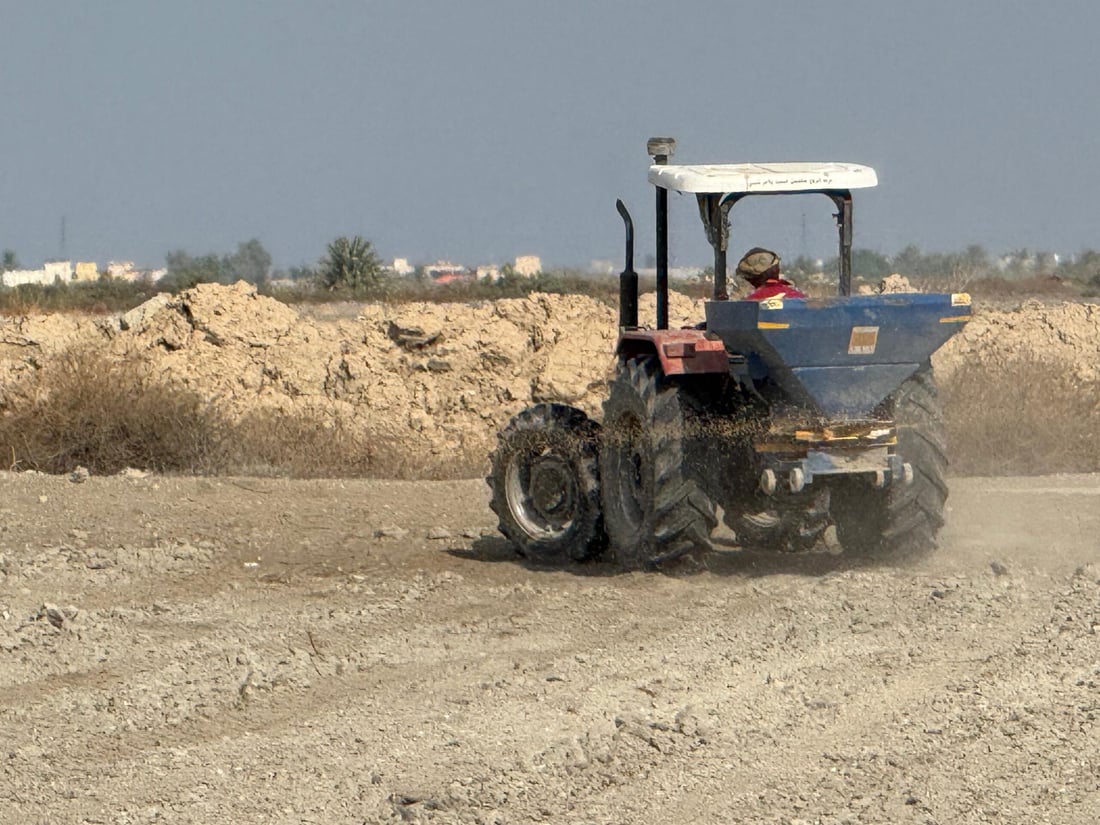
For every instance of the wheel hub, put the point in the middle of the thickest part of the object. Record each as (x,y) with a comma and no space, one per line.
(542,493)
(552,490)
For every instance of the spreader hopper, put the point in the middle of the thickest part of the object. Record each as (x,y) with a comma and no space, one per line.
(838,356)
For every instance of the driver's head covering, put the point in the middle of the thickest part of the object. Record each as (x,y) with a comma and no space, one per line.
(757,263)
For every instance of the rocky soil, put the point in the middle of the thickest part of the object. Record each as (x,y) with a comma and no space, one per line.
(243,650)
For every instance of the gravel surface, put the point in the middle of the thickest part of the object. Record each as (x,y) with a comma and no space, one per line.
(256,650)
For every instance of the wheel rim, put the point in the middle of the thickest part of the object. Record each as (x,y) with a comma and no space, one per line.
(542,494)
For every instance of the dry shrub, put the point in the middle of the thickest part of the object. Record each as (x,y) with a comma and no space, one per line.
(321,445)
(995,287)
(85,409)
(298,445)
(96,298)
(1025,417)
(394,460)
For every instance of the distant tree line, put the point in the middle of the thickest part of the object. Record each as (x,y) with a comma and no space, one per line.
(973,263)
(251,262)
(349,264)
(351,267)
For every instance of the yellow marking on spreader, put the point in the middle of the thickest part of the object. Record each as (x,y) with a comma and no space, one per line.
(955,319)
(771,325)
(845,444)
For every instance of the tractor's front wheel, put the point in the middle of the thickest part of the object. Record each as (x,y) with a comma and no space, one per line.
(789,526)
(653,512)
(545,484)
(902,520)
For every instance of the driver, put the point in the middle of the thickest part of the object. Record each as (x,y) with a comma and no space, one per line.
(760,267)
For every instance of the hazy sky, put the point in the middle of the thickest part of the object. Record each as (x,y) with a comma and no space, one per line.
(477,130)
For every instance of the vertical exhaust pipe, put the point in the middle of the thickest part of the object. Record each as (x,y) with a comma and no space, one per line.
(628,278)
(661,149)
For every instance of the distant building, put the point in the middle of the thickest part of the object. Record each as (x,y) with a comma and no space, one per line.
(50,273)
(488,272)
(19,277)
(126,271)
(58,271)
(684,273)
(64,272)
(527,265)
(451,278)
(601,266)
(122,271)
(675,273)
(86,271)
(445,269)
(401,266)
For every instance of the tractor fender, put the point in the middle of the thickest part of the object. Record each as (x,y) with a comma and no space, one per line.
(681,351)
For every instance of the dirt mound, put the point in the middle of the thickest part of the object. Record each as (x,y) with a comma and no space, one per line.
(1064,335)
(432,379)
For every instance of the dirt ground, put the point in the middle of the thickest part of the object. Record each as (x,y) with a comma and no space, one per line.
(245,650)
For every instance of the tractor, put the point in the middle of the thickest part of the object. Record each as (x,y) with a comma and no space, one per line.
(778,417)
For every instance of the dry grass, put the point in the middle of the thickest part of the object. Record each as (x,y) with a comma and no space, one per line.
(1038,286)
(1026,417)
(83,409)
(96,298)
(306,445)
(86,409)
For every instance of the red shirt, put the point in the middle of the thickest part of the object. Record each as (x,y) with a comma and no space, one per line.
(773,287)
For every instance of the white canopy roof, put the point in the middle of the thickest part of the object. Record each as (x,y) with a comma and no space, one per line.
(726,178)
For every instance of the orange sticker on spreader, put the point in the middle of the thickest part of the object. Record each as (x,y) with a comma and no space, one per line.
(863,341)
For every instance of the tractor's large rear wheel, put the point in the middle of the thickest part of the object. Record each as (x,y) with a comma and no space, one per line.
(902,520)
(545,484)
(653,512)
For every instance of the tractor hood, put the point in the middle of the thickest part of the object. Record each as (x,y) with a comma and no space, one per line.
(841,356)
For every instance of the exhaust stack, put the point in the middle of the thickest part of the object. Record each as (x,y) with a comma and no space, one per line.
(628,278)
